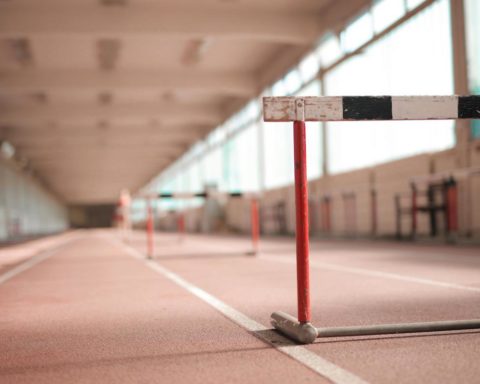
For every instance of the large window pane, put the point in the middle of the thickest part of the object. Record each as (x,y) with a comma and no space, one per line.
(278,146)
(309,67)
(357,33)
(213,168)
(242,162)
(472,12)
(414,59)
(386,12)
(328,51)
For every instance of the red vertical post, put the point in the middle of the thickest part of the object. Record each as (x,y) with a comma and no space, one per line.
(414,210)
(452,207)
(301,206)
(254,224)
(180,226)
(150,249)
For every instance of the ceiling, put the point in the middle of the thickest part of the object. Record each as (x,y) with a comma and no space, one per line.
(101,95)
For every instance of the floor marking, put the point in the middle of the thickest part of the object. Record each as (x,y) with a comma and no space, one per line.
(301,354)
(32,261)
(374,273)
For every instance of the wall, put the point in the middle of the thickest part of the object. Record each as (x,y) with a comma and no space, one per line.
(388,180)
(26,208)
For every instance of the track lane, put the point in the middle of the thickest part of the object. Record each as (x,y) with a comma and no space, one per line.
(257,287)
(91,313)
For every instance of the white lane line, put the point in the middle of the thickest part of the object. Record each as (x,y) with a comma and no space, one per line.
(32,261)
(374,273)
(301,354)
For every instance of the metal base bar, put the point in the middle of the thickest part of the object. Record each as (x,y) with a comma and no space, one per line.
(385,329)
(306,333)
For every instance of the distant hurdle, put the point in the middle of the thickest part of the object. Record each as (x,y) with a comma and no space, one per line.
(432,195)
(351,108)
(254,214)
(122,214)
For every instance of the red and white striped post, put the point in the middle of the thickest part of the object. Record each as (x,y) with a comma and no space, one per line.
(150,240)
(254,223)
(302,240)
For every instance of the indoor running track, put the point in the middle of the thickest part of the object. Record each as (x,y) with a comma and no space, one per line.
(90,308)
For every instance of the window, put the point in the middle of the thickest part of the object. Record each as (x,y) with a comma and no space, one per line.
(309,67)
(216,136)
(292,81)
(472,15)
(416,58)
(411,4)
(278,154)
(329,51)
(357,33)
(386,12)
(279,89)
(241,160)
(213,168)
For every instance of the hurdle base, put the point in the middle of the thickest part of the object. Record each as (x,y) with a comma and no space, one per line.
(387,329)
(304,333)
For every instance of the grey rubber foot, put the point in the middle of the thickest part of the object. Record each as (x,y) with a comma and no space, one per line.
(304,333)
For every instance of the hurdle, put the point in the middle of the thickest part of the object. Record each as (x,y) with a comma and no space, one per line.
(181,226)
(254,215)
(451,182)
(447,206)
(350,108)
(150,227)
(122,215)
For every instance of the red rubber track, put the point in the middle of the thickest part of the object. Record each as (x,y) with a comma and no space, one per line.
(92,313)
(260,286)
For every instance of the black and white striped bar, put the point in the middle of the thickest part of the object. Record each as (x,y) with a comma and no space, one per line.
(181,195)
(355,108)
(203,195)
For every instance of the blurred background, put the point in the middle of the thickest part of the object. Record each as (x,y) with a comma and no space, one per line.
(100,96)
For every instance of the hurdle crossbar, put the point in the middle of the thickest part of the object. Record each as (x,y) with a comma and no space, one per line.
(351,108)
(204,195)
(253,196)
(357,108)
